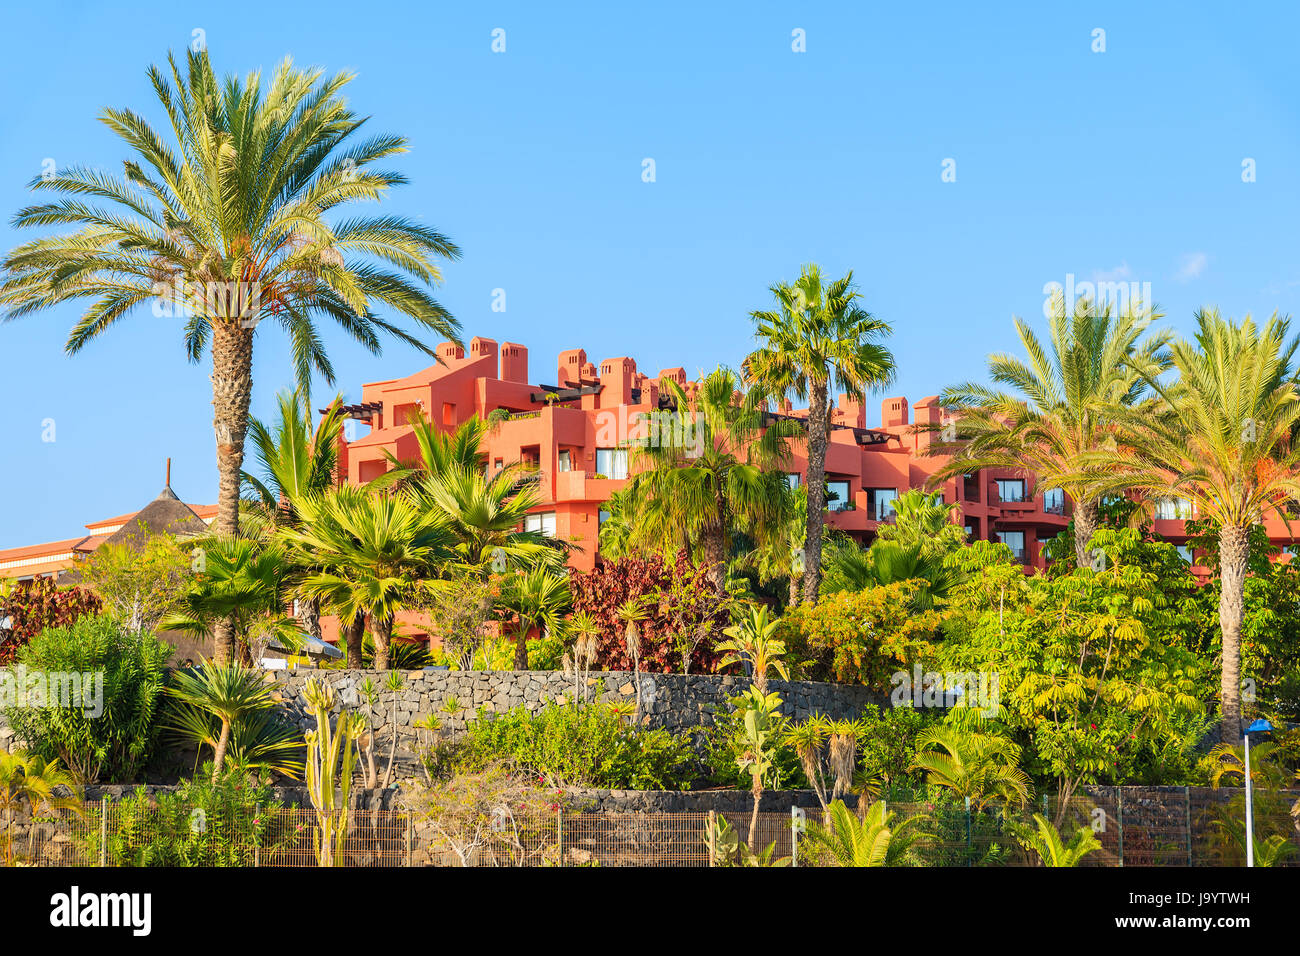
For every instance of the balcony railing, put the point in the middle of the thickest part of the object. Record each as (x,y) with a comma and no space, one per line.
(1056,507)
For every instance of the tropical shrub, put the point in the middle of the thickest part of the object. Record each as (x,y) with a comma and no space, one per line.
(1044,842)
(26,777)
(141,580)
(860,636)
(568,745)
(33,606)
(232,821)
(111,731)
(878,838)
(679,601)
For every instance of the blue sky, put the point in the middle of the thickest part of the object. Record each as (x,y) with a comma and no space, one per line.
(1121,164)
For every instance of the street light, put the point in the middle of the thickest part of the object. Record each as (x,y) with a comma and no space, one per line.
(1258,727)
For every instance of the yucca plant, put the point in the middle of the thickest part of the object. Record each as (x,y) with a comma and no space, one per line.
(229,692)
(228,219)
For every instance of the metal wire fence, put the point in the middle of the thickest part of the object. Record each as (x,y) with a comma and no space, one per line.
(1136,827)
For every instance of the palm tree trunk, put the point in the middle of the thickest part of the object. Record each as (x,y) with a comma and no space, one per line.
(1234,555)
(383,631)
(219,755)
(521,647)
(232,388)
(355,638)
(792,601)
(714,542)
(817,438)
(309,616)
(1087,514)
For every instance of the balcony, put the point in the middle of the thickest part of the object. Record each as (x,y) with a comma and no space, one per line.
(585,486)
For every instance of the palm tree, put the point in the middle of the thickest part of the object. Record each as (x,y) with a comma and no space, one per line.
(241,582)
(818,337)
(977,765)
(25,776)
(440,451)
(536,599)
(877,839)
(696,497)
(229,224)
(1225,442)
(297,463)
(1046,843)
(753,642)
(1066,401)
(228,692)
(632,612)
(372,550)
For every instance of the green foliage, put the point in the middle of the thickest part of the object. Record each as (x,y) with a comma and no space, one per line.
(141,580)
(1044,841)
(106,737)
(727,849)
(230,822)
(878,838)
(588,746)
(973,758)
(860,636)
(331,754)
(887,741)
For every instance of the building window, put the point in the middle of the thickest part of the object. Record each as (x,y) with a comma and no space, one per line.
(566,461)
(794,480)
(1185,552)
(880,501)
(837,496)
(542,523)
(602,517)
(1173,509)
(1054,501)
(611,462)
(1011,489)
(448,414)
(1015,540)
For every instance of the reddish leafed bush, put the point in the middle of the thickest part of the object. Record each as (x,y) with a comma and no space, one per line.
(684,611)
(33,606)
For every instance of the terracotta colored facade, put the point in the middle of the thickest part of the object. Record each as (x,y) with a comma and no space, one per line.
(575,434)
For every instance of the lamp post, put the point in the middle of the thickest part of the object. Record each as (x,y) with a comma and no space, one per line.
(1258,727)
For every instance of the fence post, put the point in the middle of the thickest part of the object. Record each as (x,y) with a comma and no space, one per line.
(1119,811)
(969,853)
(103,831)
(559,834)
(712,825)
(257,843)
(1187,797)
(797,817)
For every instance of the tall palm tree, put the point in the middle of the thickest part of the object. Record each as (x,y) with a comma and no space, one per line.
(1065,401)
(297,462)
(1225,442)
(372,549)
(818,337)
(230,223)
(697,496)
(535,599)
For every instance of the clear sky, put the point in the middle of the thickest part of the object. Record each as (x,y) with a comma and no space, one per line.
(1122,164)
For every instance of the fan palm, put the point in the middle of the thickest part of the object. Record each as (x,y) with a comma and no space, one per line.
(372,550)
(439,451)
(241,582)
(818,337)
(1225,442)
(685,499)
(535,599)
(1066,401)
(229,224)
